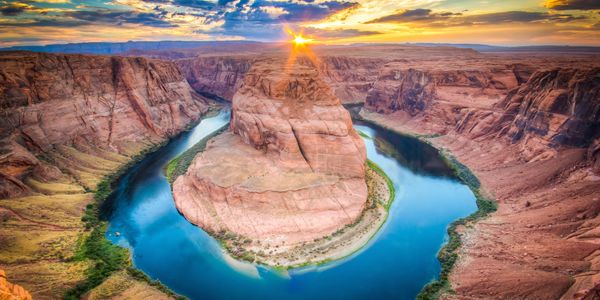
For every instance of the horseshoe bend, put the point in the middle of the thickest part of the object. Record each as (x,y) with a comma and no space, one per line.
(289,171)
(300,149)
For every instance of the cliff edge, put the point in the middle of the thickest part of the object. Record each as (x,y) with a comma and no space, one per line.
(290,170)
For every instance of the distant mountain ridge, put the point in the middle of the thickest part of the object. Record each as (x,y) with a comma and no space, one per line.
(538,48)
(119,48)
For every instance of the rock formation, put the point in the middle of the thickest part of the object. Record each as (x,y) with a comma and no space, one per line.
(216,75)
(115,103)
(413,90)
(290,170)
(349,77)
(534,146)
(555,108)
(66,121)
(9,291)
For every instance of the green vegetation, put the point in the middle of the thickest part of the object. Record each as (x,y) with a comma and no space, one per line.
(179,165)
(362,134)
(375,167)
(106,257)
(447,255)
(141,276)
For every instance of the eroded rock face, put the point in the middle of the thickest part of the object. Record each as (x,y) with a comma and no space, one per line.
(108,102)
(216,75)
(535,149)
(593,156)
(11,291)
(349,77)
(290,170)
(296,118)
(559,107)
(413,90)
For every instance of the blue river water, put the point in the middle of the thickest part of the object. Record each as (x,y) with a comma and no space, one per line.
(395,264)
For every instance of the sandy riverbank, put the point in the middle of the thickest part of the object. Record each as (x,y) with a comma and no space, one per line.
(338,245)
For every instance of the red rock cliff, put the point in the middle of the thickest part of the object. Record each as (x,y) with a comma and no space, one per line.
(291,169)
(350,78)
(115,103)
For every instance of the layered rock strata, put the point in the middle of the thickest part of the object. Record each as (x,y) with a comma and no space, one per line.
(216,75)
(290,170)
(117,104)
(535,152)
(66,122)
(349,77)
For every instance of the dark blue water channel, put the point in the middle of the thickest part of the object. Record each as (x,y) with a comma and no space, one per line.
(395,264)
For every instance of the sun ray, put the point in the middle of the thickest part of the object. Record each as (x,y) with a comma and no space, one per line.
(301,48)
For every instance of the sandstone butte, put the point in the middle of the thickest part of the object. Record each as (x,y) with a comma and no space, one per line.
(526,124)
(291,169)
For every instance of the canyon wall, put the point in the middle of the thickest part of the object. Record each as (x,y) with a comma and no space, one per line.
(349,77)
(66,122)
(290,170)
(115,103)
(220,76)
(559,107)
(531,137)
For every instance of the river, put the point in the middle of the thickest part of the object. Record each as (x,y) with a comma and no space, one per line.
(396,263)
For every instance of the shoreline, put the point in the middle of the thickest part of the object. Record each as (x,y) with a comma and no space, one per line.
(447,254)
(96,247)
(336,246)
(346,241)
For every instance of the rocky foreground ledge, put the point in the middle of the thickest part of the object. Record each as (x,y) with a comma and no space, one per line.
(290,171)
(68,124)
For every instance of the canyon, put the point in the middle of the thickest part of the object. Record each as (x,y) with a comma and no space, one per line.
(290,170)
(527,124)
(67,122)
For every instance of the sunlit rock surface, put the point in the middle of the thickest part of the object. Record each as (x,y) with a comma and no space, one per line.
(291,168)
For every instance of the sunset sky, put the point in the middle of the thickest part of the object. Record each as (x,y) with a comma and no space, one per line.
(507,22)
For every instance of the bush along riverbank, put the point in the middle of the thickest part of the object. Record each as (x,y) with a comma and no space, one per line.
(179,165)
(105,257)
(448,254)
(341,244)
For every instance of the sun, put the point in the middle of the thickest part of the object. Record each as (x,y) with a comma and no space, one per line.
(300,48)
(299,40)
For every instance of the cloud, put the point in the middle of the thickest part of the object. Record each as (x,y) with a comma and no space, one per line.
(51,1)
(208,5)
(519,16)
(573,4)
(328,20)
(337,34)
(409,15)
(274,11)
(457,19)
(31,23)
(11,10)
(120,17)
(362,11)
(16,8)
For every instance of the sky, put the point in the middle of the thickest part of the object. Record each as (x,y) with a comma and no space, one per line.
(503,22)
